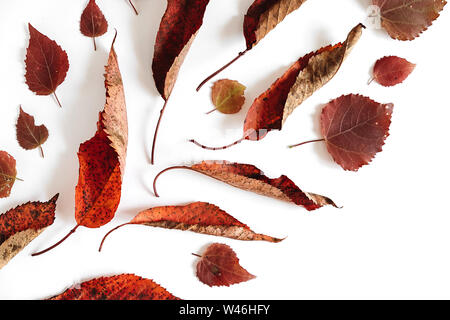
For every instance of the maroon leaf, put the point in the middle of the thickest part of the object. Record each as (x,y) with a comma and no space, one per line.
(7,173)
(29,135)
(390,71)
(93,23)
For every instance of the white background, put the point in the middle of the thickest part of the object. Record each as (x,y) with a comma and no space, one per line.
(391,238)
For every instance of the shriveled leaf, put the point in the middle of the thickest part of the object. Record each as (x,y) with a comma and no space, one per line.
(228,96)
(250,178)
(19,226)
(46,64)
(261,17)
(219,266)
(93,23)
(392,70)
(102,158)
(355,128)
(8,173)
(119,287)
(200,217)
(271,109)
(29,135)
(264,15)
(407,19)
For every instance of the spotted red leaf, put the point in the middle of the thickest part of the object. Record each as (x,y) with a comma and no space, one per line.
(200,217)
(177,31)
(219,266)
(250,178)
(46,64)
(119,287)
(308,74)
(407,19)
(392,70)
(8,173)
(93,23)
(102,158)
(19,226)
(261,18)
(29,135)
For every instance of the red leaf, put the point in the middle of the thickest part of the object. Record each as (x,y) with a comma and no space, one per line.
(7,173)
(390,71)
(19,226)
(93,23)
(250,178)
(120,287)
(261,18)
(406,20)
(219,266)
(29,135)
(178,28)
(102,158)
(200,217)
(272,108)
(46,64)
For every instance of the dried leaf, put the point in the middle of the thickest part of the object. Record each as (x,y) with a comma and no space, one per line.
(93,23)
(19,226)
(8,173)
(354,128)
(102,158)
(119,287)
(228,96)
(248,177)
(262,17)
(178,28)
(271,109)
(199,217)
(219,266)
(46,64)
(407,19)
(29,135)
(392,70)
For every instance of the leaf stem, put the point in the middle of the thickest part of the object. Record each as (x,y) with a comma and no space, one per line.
(95,45)
(58,243)
(221,69)
(57,100)
(217,148)
(197,255)
(41,150)
(106,235)
(305,142)
(152,160)
(134,8)
(165,170)
(211,111)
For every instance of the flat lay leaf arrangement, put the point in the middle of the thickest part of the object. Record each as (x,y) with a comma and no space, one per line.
(354,129)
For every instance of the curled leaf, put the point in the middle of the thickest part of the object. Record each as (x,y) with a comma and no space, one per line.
(407,19)
(392,70)
(8,173)
(29,135)
(19,226)
(46,64)
(219,266)
(199,217)
(119,287)
(93,23)
(228,96)
(250,178)
(272,108)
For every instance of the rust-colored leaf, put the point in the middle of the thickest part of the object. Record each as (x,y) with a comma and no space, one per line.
(119,287)
(354,128)
(261,18)
(250,178)
(46,64)
(407,19)
(29,135)
(392,70)
(102,158)
(271,109)
(178,28)
(8,173)
(93,23)
(19,226)
(200,217)
(228,96)
(219,266)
